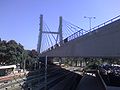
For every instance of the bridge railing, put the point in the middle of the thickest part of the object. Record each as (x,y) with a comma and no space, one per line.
(82,32)
(77,34)
(105,23)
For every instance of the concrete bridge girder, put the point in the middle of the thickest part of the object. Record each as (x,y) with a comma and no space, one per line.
(102,42)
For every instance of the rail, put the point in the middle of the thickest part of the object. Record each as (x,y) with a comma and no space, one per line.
(100,81)
(82,32)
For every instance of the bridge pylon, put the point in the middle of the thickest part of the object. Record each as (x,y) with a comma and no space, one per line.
(41,31)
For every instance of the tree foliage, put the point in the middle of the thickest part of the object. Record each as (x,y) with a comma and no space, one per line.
(12,52)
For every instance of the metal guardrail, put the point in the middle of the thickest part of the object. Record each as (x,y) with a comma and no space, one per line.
(81,32)
(77,34)
(100,81)
(107,22)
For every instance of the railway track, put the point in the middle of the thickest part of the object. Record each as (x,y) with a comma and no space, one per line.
(57,79)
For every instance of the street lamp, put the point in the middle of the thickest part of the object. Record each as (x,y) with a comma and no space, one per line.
(89,18)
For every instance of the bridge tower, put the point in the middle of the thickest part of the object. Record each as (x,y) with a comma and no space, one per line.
(41,31)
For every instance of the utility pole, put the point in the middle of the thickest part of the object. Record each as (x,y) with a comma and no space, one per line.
(90,19)
(46,72)
(24,60)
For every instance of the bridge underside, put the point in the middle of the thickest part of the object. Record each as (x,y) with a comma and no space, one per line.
(102,42)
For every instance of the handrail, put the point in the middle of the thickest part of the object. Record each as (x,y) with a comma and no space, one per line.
(94,28)
(78,34)
(107,22)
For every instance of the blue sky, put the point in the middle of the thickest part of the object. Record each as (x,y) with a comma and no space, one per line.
(19,19)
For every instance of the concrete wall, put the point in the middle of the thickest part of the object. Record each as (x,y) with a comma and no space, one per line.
(104,42)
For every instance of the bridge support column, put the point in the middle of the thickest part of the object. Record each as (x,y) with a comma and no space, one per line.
(40,34)
(41,31)
(60,30)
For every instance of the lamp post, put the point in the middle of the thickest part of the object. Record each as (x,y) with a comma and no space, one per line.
(89,18)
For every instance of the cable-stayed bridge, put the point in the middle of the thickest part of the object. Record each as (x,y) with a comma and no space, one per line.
(100,41)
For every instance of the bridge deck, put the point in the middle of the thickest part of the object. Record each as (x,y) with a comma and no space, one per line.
(103,42)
